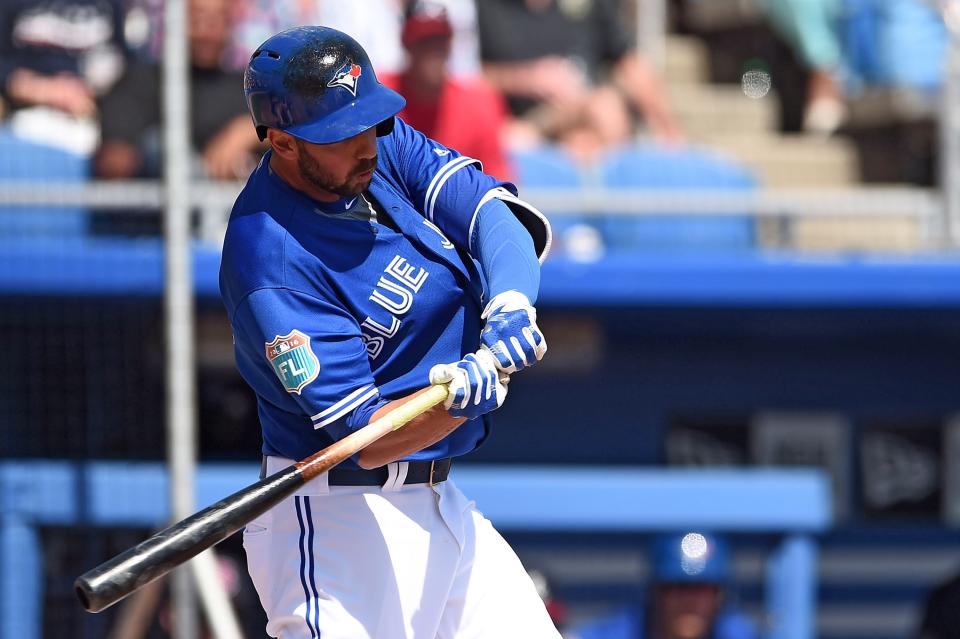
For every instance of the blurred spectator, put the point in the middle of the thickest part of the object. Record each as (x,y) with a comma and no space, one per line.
(570,73)
(375,24)
(465,50)
(810,26)
(686,597)
(222,135)
(466,114)
(257,20)
(941,613)
(56,56)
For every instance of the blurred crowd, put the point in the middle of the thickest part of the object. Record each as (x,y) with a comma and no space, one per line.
(514,83)
(545,93)
(84,75)
(489,78)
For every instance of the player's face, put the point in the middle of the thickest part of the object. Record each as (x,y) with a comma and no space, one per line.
(344,168)
(686,611)
(428,59)
(209,31)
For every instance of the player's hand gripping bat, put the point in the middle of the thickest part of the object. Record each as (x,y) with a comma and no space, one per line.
(113,580)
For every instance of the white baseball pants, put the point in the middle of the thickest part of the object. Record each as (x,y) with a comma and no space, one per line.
(392,562)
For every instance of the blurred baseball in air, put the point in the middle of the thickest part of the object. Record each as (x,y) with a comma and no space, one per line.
(756,83)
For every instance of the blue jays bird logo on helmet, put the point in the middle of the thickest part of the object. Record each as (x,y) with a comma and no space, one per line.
(290,85)
(347,77)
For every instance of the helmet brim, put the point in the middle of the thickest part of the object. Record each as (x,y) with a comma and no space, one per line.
(351,119)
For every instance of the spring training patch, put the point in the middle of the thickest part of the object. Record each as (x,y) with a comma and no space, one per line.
(293,360)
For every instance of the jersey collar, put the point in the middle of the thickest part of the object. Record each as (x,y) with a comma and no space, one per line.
(351,208)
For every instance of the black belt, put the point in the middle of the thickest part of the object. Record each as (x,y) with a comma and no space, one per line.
(418,472)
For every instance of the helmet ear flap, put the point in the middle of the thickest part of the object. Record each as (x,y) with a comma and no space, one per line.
(385,127)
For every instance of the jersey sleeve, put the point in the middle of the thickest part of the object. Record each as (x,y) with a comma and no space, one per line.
(449,188)
(305,353)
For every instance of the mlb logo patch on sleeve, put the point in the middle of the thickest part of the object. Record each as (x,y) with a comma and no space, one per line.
(293,360)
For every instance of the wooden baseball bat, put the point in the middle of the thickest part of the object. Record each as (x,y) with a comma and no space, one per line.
(116,578)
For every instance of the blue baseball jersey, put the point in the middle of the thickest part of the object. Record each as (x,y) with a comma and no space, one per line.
(335,312)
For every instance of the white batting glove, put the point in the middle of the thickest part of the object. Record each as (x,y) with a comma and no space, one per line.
(476,386)
(511,332)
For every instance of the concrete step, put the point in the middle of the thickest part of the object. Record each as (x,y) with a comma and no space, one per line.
(895,227)
(792,161)
(714,15)
(686,61)
(882,106)
(857,233)
(709,110)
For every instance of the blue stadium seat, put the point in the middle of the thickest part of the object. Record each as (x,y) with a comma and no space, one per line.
(546,167)
(650,167)
(22,160)
(913,44)
(895,43)
(549,167)
(858,31)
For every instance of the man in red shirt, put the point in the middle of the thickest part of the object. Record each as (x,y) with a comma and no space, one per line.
(467,114)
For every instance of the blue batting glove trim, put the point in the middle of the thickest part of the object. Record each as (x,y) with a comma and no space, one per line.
(511,333)
(480,396)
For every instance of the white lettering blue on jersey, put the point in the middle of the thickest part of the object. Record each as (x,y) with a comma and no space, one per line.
(334,315)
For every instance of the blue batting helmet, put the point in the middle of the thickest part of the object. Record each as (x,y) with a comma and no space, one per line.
(691,557)
(317,84)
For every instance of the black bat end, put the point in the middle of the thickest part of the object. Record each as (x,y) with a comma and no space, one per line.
(85,595)
(113,580)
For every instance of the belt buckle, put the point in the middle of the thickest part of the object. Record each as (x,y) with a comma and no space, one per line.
(433,463)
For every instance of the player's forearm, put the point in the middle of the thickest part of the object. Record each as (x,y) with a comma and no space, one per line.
(237,134)
(26,87)
(422,431)
(511,78)
(227,155)
(505,251)
(116,159)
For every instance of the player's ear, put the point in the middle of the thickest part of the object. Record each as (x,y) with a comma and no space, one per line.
(284,144)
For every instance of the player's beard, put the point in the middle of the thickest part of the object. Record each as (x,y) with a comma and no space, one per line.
(354,185)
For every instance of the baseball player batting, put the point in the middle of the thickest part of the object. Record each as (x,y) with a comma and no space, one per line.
(362,263)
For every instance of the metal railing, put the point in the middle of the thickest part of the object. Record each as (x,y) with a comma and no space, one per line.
(214,200)
(652,31)
(950,124)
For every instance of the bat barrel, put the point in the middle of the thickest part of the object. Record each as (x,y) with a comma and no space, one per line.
(113,580)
